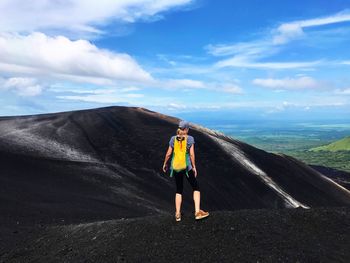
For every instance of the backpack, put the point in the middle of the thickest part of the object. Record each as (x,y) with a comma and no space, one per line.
(180,156)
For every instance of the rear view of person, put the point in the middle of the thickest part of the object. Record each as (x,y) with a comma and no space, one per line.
(181,149)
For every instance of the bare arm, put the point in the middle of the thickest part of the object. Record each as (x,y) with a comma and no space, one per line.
(167,156)
(193,160)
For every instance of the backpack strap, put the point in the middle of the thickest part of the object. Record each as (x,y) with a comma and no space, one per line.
(171,165)
(186,162)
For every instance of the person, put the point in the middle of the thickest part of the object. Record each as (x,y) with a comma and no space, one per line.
(190,172)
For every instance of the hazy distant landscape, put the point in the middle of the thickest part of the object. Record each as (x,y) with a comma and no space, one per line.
(291,137)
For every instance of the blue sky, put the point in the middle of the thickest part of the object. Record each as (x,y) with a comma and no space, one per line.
(233,59)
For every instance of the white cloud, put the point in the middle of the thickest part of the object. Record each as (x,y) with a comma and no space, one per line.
(189,84)
(129,89)
(164,58)
(60,57)
(232,88)
(293,30)
(133,95)
(275,107)
(78,15)
(258,105)
(102,98)
(287,32)
(342,92)
(288,83)
(244,54)
(97,95)
(25,87)
(249,54)
(110,90)
(82,91)
(281,107)
(93,98)
(181,83)
(246,48)
(173,106)
(234,62)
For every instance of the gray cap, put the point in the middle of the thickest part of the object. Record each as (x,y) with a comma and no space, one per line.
(184,125)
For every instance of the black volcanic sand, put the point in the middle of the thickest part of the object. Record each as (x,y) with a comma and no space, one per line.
(261,235)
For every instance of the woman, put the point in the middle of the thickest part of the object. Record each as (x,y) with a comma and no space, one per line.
(190,172)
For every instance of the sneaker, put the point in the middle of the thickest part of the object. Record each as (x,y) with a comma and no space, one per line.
(201,214)
(178,217)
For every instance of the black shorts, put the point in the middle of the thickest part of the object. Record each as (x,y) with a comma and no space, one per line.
(179,180)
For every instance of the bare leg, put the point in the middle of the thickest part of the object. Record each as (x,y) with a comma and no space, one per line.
(197,200)
(178,200)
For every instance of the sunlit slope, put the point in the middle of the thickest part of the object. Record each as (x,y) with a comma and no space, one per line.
(341,145)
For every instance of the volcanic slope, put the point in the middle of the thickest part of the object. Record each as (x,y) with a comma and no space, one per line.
(106,163)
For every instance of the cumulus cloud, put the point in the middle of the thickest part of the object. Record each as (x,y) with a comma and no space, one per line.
(60,57)
(25,87)
(24,51)
(288,83)
(78,15)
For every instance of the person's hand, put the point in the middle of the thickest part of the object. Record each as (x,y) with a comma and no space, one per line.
(194,171)
(165,168)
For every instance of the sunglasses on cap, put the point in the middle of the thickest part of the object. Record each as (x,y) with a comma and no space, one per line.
(180,138)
